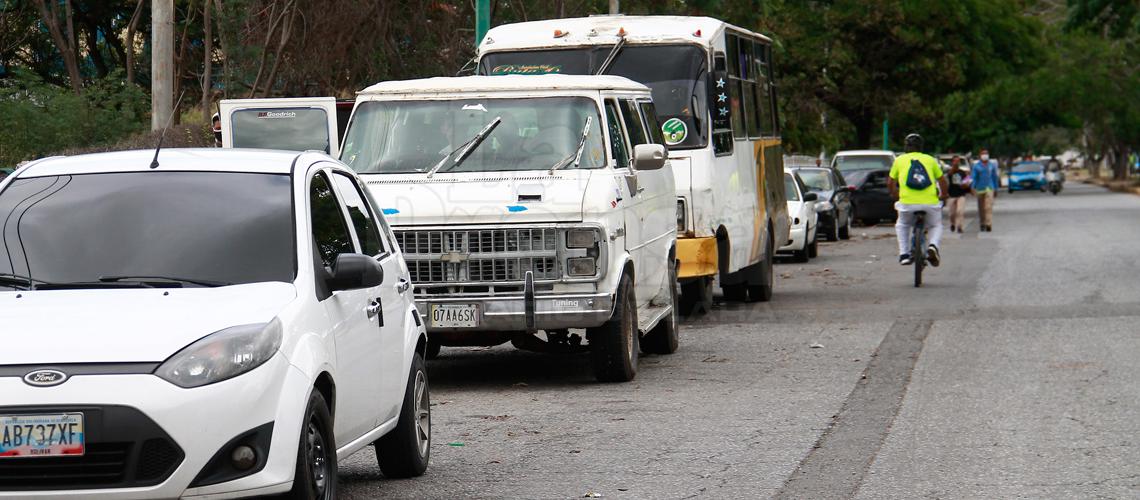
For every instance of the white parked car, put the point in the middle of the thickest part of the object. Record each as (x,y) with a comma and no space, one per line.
(228,323)
(802,241)
(526,204)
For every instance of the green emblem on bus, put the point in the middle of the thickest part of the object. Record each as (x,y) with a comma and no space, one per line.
(675,131)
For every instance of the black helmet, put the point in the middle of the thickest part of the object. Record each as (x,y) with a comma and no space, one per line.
(913,143)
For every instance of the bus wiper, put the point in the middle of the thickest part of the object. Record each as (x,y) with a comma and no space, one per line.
(576,156)
(610,58)
(466,148)
(146,279)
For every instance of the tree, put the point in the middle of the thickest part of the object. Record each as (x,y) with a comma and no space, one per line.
(63,33)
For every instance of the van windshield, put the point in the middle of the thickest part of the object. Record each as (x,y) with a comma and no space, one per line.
(390,137)
(679,87)
(206,228)
(292,129)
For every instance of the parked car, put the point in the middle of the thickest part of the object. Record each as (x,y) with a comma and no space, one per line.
(529,203)
(834,205)
(229,323)
(802,242)
(870,200)
(1027,176)
(866,159)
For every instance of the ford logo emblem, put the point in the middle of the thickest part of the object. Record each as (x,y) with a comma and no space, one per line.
(45,378)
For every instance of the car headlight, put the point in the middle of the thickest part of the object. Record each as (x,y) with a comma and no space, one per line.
(824,206)
(581,238)
(222,355)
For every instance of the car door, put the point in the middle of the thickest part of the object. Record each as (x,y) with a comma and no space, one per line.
(392,295)
(877,199)
(656,200)
(628,185)
(842,196)
(356,332)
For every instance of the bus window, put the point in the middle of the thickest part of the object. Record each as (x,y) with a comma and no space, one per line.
(617,139)
(633,123)
(764,90)
(722,129)
(735,87)
(748,83)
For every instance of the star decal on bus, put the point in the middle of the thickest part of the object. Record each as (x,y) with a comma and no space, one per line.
(721,97)
(723,111)
(720,83)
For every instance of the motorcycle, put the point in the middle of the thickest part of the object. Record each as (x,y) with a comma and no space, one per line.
(1054,181)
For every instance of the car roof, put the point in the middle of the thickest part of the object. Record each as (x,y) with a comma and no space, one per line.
(174,159)
(505,83)
(865,152)
(602,30)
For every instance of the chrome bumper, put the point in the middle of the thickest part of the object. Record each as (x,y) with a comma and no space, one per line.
(508,312)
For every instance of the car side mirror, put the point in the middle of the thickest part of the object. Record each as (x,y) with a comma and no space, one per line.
(811,197)
(352,271)
(648,156)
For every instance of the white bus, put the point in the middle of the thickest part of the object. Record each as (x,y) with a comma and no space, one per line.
(716,103)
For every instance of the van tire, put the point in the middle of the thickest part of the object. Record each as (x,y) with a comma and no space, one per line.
(614,345)
(663,338)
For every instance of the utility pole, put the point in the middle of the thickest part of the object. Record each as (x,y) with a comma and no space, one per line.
(162,63)
(615,6)
(482,20)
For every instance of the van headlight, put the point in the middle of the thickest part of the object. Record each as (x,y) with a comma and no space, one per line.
(581,238)
(222,355)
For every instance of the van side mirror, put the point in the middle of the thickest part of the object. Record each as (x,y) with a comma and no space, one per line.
(648,156)
(352,271)
(811,197)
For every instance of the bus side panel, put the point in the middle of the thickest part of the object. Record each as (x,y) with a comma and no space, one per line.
(737,206)
(772,151)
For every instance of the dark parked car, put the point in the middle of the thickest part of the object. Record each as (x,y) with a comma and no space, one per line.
(870,199)
(834,205)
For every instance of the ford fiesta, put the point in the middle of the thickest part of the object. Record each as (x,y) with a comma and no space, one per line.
(213,324)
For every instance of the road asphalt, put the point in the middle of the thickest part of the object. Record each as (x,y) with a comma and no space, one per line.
(1010,374)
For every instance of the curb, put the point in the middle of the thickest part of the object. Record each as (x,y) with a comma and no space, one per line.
(1112,186)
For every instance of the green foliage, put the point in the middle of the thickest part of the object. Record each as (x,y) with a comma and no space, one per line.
(44,118)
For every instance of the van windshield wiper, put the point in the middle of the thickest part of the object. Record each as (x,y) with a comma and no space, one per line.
(148,280)
(466,148)
(576,156)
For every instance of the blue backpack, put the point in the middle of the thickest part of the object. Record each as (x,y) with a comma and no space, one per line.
(917,178)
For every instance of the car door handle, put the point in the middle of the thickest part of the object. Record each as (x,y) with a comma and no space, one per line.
(402,286)
(373,308)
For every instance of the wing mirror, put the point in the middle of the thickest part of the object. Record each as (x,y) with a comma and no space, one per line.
(811,197)
(353,271)
(648,156)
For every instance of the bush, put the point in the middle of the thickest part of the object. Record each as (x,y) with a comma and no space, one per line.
(41,119)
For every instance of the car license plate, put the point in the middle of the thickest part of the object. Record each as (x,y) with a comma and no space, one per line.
(41,435)
(454,315)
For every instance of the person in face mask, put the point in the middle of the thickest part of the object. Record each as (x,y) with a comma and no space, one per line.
(985,176)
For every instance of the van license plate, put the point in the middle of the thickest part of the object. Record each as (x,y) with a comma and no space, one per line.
(454,315)
(41,435)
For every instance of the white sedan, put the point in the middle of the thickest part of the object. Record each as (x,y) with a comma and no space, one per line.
(218,324)
(802,239)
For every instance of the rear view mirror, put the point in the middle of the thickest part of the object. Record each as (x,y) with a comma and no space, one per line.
(353,271)
(648,156)
(811,197)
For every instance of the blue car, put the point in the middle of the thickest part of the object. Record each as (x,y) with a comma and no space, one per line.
(1027,176)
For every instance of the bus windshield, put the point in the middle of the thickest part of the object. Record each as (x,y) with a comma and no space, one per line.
(409,136)
(679,88)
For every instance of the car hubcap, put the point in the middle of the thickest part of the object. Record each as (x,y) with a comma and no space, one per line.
(423,414)
(318,461)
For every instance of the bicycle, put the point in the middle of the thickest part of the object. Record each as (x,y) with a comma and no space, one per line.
(918,246)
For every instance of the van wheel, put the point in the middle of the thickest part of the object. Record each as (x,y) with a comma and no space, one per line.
(735,293)
(405,451)
(663,338)
(614,345)
(763,291)
(315,474)
(697,296)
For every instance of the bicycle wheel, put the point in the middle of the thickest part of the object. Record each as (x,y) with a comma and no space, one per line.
(918,242)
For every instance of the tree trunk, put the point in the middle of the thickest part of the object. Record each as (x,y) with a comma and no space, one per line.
(207,59)
(130,45)
(65,42)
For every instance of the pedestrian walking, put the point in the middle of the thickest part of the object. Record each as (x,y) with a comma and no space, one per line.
(960,182)
(985,187)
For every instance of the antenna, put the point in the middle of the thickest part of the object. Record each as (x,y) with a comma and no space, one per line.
(169,120)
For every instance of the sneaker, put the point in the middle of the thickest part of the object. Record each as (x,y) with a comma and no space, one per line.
(932,255)
(905,259)
(959,229)
(953,228)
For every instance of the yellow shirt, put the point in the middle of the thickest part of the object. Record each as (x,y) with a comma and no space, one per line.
(908,196)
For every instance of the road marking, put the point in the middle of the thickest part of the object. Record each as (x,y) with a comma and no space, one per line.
(837,463)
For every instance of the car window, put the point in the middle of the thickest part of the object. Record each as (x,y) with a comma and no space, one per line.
(330,233)
(655,133)
(846,163)
(790,188)
(633,123)
(816,179)
(363,220)
(617,137)
(876,181)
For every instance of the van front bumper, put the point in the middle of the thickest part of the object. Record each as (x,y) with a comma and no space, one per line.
(552,311)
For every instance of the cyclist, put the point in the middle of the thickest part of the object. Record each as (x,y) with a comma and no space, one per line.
(917,184)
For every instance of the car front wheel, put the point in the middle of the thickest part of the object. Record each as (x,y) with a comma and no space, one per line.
(315,475)
(405,451)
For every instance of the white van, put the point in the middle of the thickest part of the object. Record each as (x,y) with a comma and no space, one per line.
(527,204)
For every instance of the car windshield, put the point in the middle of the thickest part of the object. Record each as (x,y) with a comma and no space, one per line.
(209,227)
(679,88)
(849,163)
(294,129)
(388,137)
(790,188)
(1023,168)
(816,179)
